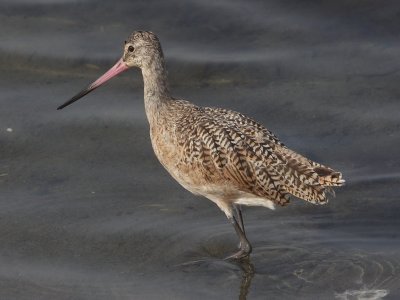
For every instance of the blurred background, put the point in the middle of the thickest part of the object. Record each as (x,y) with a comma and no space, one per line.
(86,210)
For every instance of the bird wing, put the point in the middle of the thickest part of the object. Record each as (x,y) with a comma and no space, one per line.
(252,158)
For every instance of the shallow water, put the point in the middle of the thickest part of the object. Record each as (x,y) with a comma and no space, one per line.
(86,211)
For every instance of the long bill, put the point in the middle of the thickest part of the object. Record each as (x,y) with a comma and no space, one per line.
(119,67)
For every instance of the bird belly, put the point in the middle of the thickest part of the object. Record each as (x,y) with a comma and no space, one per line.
(187,176)
(200,180)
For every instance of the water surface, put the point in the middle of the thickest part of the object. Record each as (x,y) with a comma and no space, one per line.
(87,212)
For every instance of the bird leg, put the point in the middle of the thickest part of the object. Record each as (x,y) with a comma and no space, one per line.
(239,218)
(244,246)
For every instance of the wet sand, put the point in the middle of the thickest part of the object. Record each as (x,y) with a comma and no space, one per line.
(87,212)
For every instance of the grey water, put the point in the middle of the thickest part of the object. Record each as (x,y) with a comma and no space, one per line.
(87,212)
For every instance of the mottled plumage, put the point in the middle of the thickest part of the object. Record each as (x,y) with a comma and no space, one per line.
(204,147)
(220,154)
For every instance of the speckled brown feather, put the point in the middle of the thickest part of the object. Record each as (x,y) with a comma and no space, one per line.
(222,143)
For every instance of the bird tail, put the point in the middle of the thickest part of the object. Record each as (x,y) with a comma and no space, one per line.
(306,179)
(328,177)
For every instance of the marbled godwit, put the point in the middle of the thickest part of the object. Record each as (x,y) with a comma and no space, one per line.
(217,153)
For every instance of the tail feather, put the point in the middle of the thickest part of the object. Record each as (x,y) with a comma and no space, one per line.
(329,177)
(307,179)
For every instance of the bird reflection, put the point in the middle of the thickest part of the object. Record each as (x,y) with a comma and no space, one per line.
(247,276)
(244,266)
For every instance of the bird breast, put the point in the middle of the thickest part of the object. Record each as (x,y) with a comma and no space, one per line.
(171,155)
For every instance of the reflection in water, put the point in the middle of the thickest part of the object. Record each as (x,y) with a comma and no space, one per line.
(243,266)
(248,272)
(247,275)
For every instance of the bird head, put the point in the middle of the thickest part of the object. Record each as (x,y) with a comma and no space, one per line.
(140,50)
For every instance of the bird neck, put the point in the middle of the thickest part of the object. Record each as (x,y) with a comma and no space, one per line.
(156,91)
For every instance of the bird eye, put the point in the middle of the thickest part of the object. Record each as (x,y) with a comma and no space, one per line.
(130,48)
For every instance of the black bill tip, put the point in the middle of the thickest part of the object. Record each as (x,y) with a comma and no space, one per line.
(119,67)
(76,97)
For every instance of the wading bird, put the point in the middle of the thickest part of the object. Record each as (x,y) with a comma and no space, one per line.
(214,152)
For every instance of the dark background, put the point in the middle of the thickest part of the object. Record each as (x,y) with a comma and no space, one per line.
(87,212)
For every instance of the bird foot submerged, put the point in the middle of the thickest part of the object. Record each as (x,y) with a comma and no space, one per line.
(244,252)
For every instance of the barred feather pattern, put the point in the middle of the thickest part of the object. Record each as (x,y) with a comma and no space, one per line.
(218,147)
